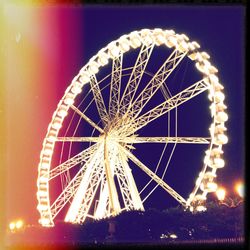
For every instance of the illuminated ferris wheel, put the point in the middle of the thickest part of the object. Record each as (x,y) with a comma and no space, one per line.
(125,104)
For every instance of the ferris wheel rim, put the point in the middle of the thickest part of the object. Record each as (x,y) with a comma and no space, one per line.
(141,38)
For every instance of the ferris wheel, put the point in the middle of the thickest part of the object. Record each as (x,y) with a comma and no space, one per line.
(123,105)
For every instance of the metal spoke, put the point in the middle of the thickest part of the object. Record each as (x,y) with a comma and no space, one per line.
(82,157)
(163,108)
(99,100)
(156,82)
(135,77)
(87,119)
(78,139)
(151,174)
(71,188)
(198,140)
(115,85)
(67,193)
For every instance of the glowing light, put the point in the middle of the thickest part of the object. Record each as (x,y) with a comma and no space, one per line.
(173,236)
(42,193)
(124,44)
(44,165)
(159,36)
(84,78)
(183,46)
(221,139)
(12,225)
(213,70)
(43,179)
(171,41)
(213,78)
(184,37)
(56,125)
(42,207)
(69,101)
(76,89)
(191,47)
(219,163)
(102,58)
(113,50)
(221,193)
(205,55)
(201,208)
(219,96)
(135,40)
(63,113)
(240,189)
(211,186)
(196,45)
(19,224)
(48,151)
(146,37)
(44,221)
(93,68)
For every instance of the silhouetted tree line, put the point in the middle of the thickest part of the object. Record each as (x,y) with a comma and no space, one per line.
(151,225)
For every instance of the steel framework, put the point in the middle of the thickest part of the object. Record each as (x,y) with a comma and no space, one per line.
(99,181)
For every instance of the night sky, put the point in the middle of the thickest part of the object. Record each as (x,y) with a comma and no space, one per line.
(47,46)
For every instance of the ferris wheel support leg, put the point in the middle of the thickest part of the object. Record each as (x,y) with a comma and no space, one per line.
(102,210)
(136,199)
(81,192)
(95,179)
(113,196)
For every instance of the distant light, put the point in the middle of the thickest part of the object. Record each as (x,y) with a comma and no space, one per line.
(240,189)
(18,37)
(173,236)
(19,224)
(12,225)
(221,193)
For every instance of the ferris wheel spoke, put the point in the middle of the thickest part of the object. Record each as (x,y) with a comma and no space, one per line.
(193,140)
(65,196)
(87,119)
(152,175)
(82,157)
(163,108)
(135,77)
(99,100)
(156,82)
(78,139)
(115,85)
(69,191)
